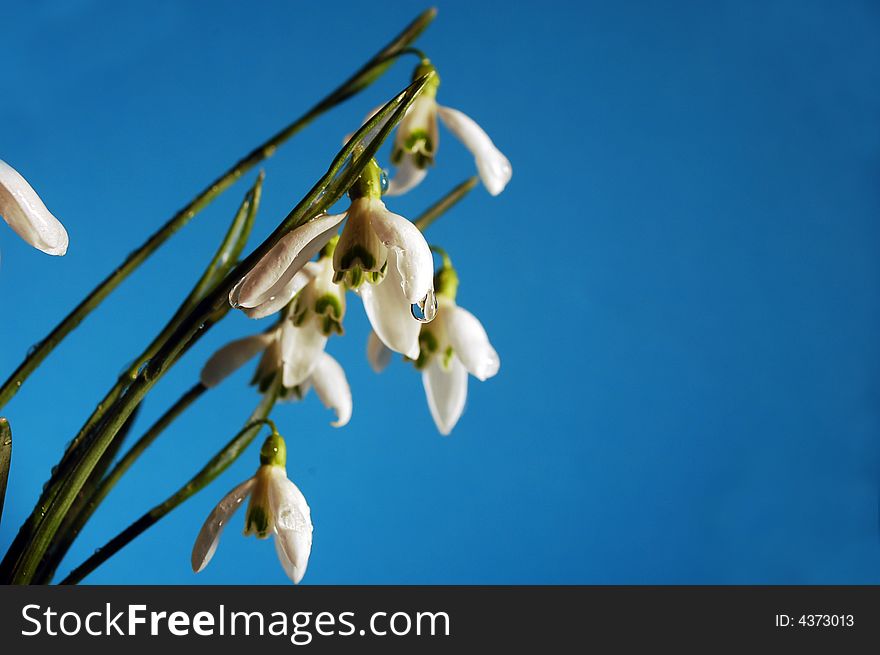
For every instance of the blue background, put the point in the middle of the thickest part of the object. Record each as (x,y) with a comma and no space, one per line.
(682,281)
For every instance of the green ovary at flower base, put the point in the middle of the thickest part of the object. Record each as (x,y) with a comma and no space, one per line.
(277,508)
(451,346)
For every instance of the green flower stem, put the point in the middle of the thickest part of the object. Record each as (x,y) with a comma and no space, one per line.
(70,531)
(329,189)
(224,259)
(219,463)
(5,458)
(443,205)
(361,79)
(444,256)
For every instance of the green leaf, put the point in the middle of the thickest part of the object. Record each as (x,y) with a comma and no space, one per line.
(70,528)
(5,458)
(224,259)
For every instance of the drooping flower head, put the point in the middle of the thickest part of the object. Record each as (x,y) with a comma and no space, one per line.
(24,211)
(277,508)
(451,346)
(381,255)
(387,260)
(416,141)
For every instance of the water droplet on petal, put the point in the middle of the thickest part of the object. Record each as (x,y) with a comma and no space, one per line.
(426,309)
(383,181)
(290,519)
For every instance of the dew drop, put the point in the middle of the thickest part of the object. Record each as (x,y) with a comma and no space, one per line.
(289,519)
(383,181)
(426,309)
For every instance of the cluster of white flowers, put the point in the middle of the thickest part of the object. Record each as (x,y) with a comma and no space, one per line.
(386,261)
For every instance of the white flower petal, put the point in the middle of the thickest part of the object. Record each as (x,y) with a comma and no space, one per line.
(274,271)
(21,207)
(293,524)
(231,357)
(420,118)
(446,391)
(407,176)
(390,313)
(300,279)
(470,342)
(300,349)
(209,535)
(286,564)
(414,260)
(297,393)
(494,168)
(332,388)
(378,354)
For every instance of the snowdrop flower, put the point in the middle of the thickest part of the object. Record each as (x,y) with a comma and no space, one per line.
(277,508)
(389,253)
(416,141)
(452,346)
(380,254)
(326,375)
(22,208)
(295,348)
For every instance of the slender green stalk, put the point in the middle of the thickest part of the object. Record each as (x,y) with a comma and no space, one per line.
(5,458)
(330,188)
(224,259)
(81,515)
(49,563)
(361,79)
(446,203)
(219,463)
(194,393)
